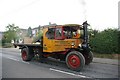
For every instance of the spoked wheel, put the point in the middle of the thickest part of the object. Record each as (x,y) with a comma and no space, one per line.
(75,60)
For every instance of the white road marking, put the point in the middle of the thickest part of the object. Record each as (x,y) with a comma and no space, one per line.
(68,73)
(26,62)
(18,60)
(81,73)
(12,59)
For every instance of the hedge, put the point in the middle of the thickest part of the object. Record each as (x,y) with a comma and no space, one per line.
(106,41)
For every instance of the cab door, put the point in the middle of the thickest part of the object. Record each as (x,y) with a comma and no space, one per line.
(59,41)
(48,37)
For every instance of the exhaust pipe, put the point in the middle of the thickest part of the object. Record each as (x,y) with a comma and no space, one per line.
(85,44)
(85,25)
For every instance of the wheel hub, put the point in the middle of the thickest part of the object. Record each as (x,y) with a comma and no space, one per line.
(24,55)
(74,61)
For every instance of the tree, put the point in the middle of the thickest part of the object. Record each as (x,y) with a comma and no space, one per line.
(29,34)
(92,32)
(11,33)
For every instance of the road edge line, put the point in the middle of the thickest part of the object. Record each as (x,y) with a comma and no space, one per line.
(82,76)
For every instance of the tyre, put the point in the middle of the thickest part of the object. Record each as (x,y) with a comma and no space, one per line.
(27,54)
(75,60)
(88,58)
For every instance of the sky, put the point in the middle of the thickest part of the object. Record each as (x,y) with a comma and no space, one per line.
(100,14)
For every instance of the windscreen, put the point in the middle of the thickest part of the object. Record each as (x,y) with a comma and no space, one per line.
(72,32)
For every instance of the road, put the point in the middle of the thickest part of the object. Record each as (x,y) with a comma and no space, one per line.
(14,67)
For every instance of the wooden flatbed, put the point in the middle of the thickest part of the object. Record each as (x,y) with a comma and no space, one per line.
(26,44)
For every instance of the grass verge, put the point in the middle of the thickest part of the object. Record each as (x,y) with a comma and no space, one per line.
(109,56)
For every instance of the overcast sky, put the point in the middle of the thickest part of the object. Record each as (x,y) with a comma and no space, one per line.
(101,14)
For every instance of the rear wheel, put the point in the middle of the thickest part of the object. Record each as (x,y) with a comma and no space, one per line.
(26,54)
(75,60)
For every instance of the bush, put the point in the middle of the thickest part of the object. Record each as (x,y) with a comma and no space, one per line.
(7,45)
(106,41)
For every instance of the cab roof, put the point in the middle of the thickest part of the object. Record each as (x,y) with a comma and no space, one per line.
(71,25)
(65,25)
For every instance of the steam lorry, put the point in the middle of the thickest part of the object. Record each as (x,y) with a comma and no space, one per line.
(68,43)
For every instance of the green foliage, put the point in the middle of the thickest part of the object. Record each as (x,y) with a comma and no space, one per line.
(29,34)
(38,36)
(119,41)
(105,41)
(92,32)
(10,34)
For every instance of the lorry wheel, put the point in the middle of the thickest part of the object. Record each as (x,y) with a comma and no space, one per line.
(75,60)
(88,58)
(26,54)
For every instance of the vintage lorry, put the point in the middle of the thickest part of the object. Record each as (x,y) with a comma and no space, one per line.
(68,43)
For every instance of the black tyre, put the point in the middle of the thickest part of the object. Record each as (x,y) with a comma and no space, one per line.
(75,60)
(88,58)
(27,54)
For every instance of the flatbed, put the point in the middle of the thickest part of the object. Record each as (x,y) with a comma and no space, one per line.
(22,45)
(27,44)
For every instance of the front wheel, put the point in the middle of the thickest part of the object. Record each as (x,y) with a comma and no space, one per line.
(75,60)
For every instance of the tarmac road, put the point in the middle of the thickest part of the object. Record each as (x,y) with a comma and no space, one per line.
(14,67)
